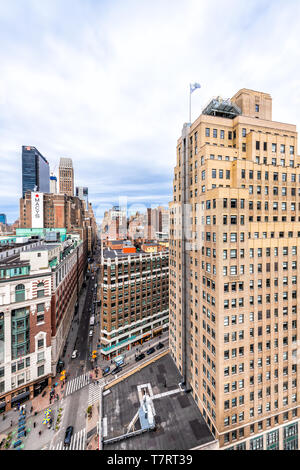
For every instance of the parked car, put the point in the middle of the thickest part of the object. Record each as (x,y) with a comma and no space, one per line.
(75,354)
(116,370)
(140,357)
(150,351)
(91,333)
(160,346)
(105,371)
(68,435)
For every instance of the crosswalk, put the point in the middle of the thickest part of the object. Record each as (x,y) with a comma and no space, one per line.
(78,442)
(94,392)
(77,383)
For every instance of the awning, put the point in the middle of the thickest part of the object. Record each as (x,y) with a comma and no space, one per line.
(158,329)
(20,397)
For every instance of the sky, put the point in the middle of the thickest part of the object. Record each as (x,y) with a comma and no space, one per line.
(106,83)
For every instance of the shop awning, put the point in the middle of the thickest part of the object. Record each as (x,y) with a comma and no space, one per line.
(20,397)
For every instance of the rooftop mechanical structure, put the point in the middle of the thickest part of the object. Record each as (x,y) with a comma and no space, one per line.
(222,108)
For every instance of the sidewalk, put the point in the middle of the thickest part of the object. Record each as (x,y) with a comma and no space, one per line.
(130,355)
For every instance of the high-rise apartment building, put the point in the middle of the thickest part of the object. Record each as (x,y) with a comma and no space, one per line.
(35,171)
(234,271)
(66,177)
(158,222)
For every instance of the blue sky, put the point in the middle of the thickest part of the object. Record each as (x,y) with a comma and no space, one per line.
(106,83)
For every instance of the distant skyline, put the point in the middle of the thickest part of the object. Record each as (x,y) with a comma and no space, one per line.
(107,84)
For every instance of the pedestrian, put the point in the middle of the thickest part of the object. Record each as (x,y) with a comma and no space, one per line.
(40,433)
(34,424)
(31,409)
(11,423)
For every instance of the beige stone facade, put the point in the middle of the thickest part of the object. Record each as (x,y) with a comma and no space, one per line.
(234,274)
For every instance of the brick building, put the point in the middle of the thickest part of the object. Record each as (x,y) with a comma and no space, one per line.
(134,298)
(62,211)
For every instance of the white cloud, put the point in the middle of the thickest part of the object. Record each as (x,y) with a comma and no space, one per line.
(106,83)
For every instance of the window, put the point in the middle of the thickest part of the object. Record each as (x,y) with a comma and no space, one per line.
(20,293)
(257,108)
(40,357)
(40,290)
(207,132)
(40,319)
(41,371)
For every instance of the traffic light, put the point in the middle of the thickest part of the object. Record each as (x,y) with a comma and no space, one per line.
(94,354)
(63,376)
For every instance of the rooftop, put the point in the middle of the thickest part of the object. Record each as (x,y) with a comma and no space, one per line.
(112,254)
(46,247)
(222,108)
(179,423)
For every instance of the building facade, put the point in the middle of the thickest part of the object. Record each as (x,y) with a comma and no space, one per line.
(66,177)
(25,328)
(35,171)
(60,211)
(68,270)
(134,297)
(83,194)
(234,271)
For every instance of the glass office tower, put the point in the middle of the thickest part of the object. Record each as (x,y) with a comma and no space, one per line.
(35,171)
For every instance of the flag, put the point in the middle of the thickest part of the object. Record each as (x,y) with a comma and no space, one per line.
(194,86)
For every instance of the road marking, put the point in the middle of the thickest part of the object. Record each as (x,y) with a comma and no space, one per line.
(104,427)
(77,383)
(94,392)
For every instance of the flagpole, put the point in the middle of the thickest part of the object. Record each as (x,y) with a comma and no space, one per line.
(190,116)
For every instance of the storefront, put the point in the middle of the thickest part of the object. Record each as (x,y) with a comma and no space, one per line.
(146,338)
(39,387)
(2,406)
(158,332)
(20,397)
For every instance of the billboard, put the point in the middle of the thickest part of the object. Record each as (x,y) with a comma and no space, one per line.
(37,210)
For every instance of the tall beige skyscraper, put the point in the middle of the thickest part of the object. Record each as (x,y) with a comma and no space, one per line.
(234,271)
(66,176)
